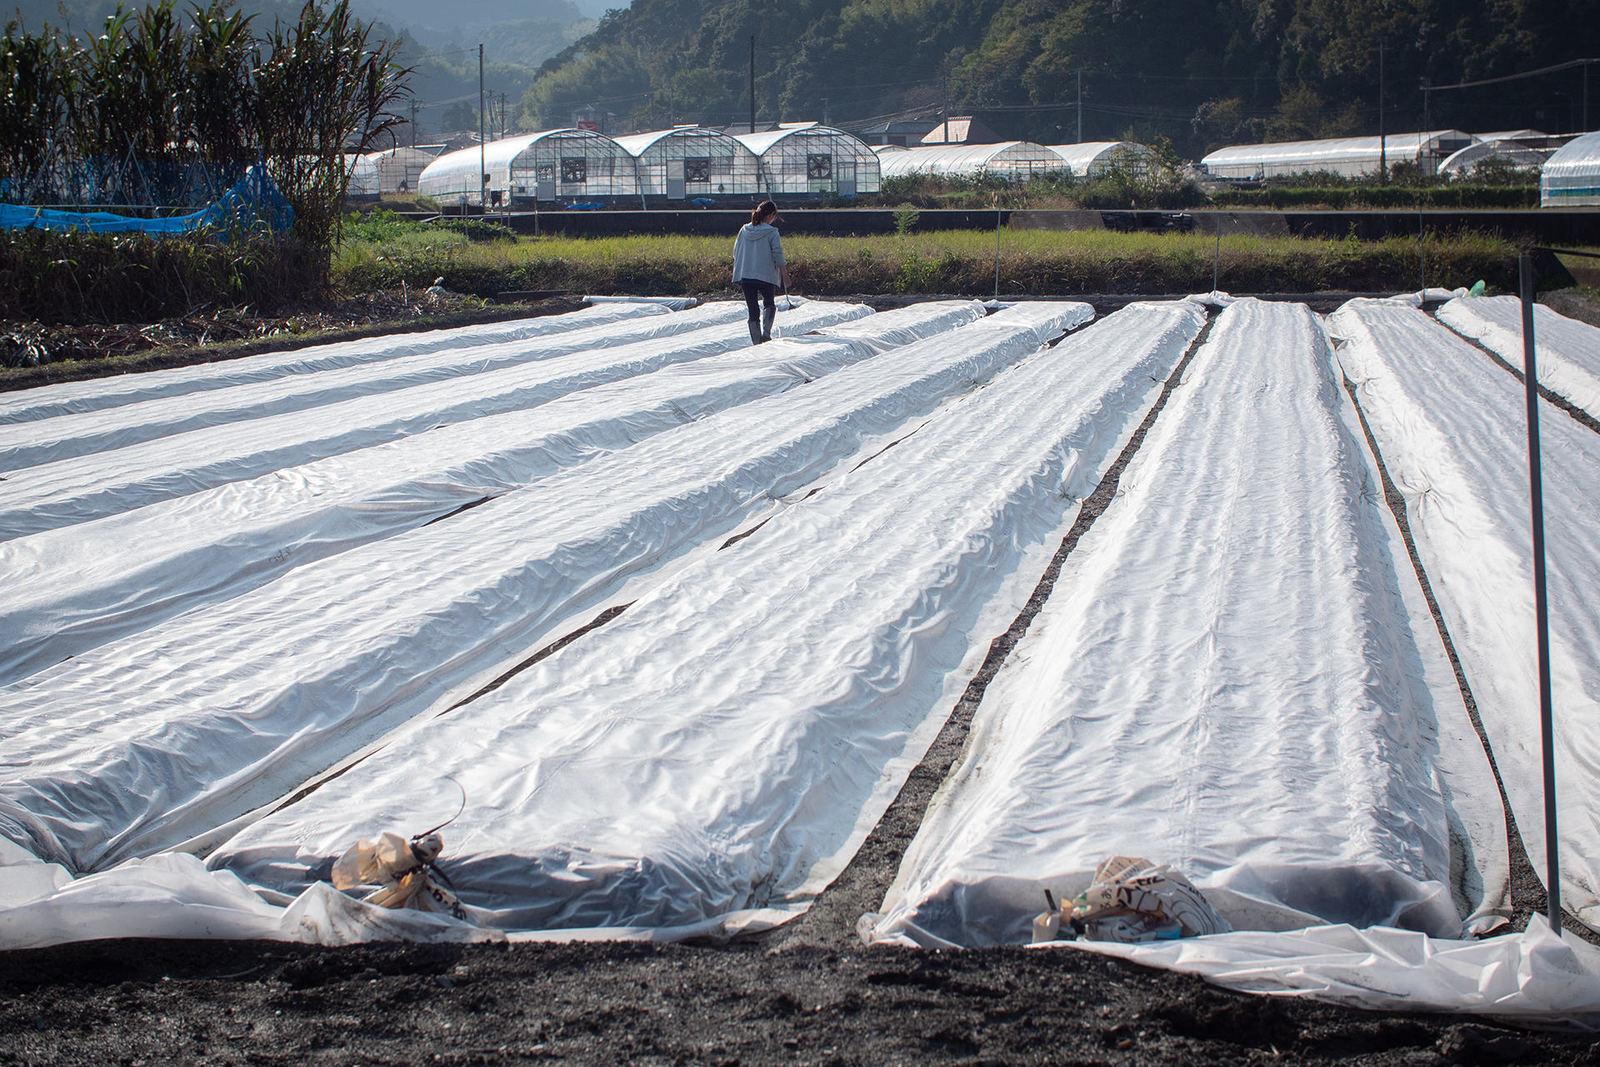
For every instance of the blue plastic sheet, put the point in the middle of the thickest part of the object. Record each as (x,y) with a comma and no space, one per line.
(254,200)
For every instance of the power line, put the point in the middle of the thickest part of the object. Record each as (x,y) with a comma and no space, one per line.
(1571,64)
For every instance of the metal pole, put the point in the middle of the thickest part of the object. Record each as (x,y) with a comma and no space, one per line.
(752,83)
(997,246)
(483,166)
(1422,252)
(1080,105)
(1530,379)
(1383,144)
(1216,261)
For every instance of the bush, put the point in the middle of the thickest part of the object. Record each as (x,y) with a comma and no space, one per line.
(1291,196)
(78,278)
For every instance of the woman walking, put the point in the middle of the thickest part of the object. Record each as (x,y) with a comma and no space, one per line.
(759,267)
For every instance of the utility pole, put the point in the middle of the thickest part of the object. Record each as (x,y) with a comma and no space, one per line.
(483,165)
(413,124)
(1080,105)
(752,83)
(1427,119)
(1383,144)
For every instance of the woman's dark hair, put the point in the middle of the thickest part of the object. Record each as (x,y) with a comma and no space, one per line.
(764,211)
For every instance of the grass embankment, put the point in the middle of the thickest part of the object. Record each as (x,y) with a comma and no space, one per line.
(1032,263)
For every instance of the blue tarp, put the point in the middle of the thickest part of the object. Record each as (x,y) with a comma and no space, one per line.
(253,201)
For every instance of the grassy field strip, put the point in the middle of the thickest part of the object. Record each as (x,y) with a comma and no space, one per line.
(723,746)
(81,586)
(1451,427)
(68,398)
(1228,679)
(144,743)
(1568,351)
(1032,262)
(66,436)
(64,492)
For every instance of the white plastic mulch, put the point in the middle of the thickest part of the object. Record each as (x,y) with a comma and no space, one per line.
(1228,679)
(98,393)
(233,705)
(57,492)
(82,585)
(712,758)
(1567,352)
(275,648)
(1235,676)
(1452,430)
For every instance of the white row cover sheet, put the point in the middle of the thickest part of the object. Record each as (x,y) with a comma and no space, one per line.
(68,436)
(80,586)
(141,744)
(712,758)
(1534,978)
(1452,430)
(71,397)
(172,895)
(1228,679)
(58,494)
(1567,351)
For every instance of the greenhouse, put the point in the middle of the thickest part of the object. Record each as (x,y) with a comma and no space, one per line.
(1571,177)
(363,173)
(1090,159)
(1462,163)
(1348,156)
(396,170)
(1013,160)
(577,165)
(688,162)
(811,158)
(456,175)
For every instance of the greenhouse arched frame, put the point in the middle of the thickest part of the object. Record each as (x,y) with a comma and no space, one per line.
(687,162)
(808,158)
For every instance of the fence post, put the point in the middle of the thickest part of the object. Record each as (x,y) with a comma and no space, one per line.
(1530,378)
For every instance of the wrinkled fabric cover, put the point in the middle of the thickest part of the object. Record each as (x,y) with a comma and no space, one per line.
(1452,430)
(1227,679)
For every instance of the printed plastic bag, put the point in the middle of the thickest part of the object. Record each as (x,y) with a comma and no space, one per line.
(1131,900)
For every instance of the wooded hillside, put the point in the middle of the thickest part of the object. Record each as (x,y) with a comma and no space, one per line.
(1202,72)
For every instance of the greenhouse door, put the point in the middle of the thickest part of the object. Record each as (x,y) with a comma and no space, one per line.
(847,177)
(675,179)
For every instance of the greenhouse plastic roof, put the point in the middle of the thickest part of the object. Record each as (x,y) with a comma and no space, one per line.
(1090,157)
(1579,155)
(636,144)
(1571,177)
(968,159)
(1509,150)
(453,171)
(759,143)
(1329,153)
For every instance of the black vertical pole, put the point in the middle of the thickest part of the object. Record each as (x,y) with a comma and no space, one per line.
(1383,144)
(483,167)
(752,83)
(1547,739)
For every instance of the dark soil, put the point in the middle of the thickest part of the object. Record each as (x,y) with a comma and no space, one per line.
(805,993)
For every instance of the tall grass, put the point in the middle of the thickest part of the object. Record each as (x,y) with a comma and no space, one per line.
(1032,262)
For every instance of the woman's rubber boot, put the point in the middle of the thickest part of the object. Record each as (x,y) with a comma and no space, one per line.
(766,323)
(755,332)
